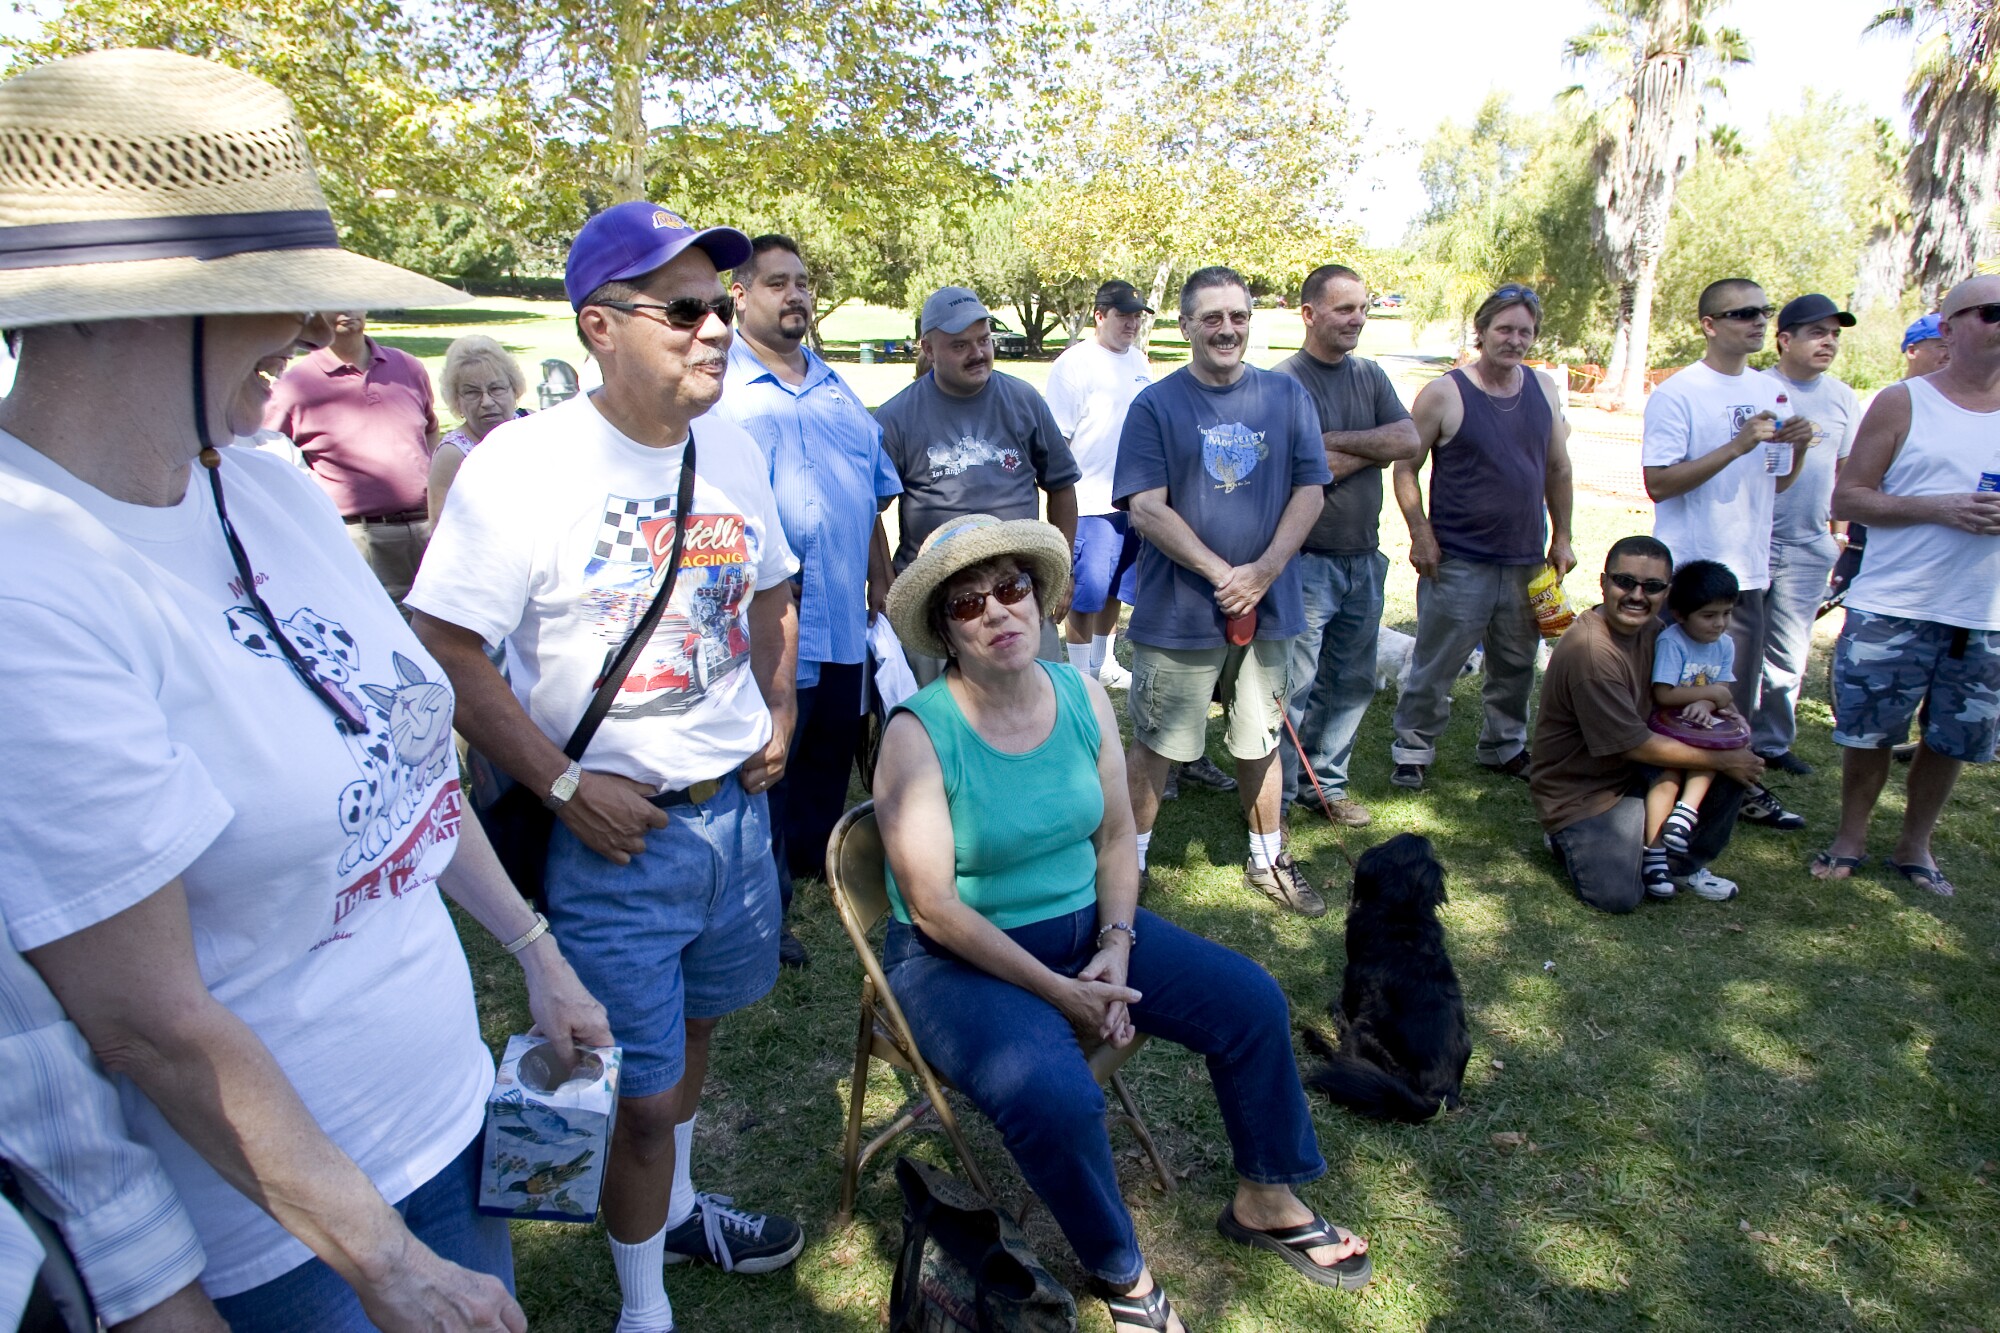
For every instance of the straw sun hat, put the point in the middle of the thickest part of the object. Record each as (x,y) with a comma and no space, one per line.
(961,544)
(137,183)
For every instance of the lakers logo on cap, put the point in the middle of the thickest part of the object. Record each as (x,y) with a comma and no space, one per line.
(662,219)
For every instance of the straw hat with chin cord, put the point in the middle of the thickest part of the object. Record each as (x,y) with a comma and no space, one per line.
(139,184)
(959,544)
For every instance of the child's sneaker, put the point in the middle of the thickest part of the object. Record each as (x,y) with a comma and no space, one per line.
(1678,829)
(1653,872)
(1705,883)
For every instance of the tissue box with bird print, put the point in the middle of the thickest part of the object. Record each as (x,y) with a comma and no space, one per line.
(548,1131)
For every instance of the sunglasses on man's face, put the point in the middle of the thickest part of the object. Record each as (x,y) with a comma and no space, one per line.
(970,605)
(1747,313)
(1990,312)
(684,313)
(1626,583)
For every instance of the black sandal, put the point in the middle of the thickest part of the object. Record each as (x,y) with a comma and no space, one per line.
(1292,1244)
(1152,1310)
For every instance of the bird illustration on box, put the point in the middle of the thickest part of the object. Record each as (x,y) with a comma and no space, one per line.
(548,1177)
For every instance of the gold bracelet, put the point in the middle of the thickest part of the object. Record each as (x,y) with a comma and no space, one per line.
(535,932)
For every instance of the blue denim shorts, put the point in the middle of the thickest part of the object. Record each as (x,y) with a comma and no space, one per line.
(1103,558)
(1884,667)
(689,929)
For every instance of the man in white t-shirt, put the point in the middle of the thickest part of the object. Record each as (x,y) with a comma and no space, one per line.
(1091,387)
(556,537)
(1721,441)
(1803,546)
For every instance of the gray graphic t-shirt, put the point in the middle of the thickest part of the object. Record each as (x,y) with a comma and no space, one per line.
(1354,395)
(1799,515)
(986,454)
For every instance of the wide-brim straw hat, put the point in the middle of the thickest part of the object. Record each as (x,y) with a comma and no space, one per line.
(960,544)
(138,184)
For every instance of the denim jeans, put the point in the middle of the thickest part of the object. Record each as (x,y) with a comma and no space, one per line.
(1798,585)
(439,1212)
(1602,854)
(1018,1060)
(1333,664)
(1469,602)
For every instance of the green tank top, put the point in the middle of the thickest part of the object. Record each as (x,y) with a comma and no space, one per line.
(1021,824)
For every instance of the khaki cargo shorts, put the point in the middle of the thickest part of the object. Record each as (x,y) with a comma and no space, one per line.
(1173,687)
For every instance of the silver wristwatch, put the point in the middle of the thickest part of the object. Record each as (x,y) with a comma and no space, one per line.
(564,787)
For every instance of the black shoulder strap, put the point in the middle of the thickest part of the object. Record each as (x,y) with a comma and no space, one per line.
(621,665)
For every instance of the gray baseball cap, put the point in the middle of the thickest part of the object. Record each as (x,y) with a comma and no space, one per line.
(952,310)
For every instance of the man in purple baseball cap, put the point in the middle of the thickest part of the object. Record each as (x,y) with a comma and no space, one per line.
(557,536)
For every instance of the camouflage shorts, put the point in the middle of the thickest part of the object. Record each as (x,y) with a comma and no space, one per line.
(1884,667)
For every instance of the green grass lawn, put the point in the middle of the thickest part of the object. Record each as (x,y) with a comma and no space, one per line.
(1779,1113)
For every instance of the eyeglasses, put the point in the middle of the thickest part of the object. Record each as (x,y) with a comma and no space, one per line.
(683,312)
(970,605)
(1748,312)
(1626,583)
(1215,319)
(1990,312)
(474,393)
(1514,291)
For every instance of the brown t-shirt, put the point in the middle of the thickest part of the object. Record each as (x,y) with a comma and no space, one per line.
(1595,696)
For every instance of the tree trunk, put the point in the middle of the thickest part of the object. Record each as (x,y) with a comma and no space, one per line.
(1156,297)
(1954,180)
(1621,343)
(1638,332)
(1885,261)
(628,101)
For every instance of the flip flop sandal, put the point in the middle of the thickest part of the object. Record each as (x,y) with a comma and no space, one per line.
(1152,1310)
(1927,877)
(1825,863)
(1293,1244)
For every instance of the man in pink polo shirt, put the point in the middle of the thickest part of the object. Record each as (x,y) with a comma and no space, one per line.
(363,416)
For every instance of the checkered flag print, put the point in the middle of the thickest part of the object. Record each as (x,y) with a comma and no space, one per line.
(621,538)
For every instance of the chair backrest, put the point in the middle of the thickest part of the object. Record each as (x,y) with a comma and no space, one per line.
(559,378)
(856,870)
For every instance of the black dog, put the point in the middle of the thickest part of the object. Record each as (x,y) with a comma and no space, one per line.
(1403,1043)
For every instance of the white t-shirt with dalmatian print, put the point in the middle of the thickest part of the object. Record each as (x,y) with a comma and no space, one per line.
(554,539)
(152,731)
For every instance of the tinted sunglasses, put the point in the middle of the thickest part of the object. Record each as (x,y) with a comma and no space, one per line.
(970,605)
(1990,312)
(683,312)
(1626,583)
(1747,312)
(1514,291)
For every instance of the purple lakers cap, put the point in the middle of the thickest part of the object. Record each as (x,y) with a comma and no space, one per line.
(630,240)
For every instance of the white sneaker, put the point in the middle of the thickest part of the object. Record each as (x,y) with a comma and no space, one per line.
(1113,676)
(1705,883)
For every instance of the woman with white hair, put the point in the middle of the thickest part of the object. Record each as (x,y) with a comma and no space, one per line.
(230,803)
(483,383)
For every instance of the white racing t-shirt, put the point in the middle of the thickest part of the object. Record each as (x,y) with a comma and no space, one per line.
(1090,390)
(1728,517)
(154,731)
(555,537)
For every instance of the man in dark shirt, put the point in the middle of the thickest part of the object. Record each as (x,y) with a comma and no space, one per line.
(1593,747)
(1364,428)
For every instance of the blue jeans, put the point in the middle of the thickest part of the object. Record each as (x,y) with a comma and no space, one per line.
(439,1212)
(1602,855)
(1018,1060)
(1333,664)
(1798,585)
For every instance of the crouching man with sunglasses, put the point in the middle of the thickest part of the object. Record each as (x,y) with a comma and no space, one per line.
(1594,752)
(559,534)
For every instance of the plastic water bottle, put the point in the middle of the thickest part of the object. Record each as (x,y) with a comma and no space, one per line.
(1989,480)
(1777,455)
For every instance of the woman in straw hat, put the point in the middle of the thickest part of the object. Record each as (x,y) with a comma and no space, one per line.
(230,803)
(1014,883)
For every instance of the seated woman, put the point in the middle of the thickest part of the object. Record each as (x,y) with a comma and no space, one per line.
(483,382)
(1017,938)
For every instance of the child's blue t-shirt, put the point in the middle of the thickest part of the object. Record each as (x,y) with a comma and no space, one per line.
(1679,661)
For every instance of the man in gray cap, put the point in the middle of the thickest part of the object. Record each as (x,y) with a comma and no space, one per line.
(967,439)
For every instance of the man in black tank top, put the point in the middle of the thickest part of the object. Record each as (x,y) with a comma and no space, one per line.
(1497,437)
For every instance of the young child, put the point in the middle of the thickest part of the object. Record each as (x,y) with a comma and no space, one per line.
(1693,665)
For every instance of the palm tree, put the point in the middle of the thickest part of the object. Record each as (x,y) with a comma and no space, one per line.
(1954,166)
(1661,55)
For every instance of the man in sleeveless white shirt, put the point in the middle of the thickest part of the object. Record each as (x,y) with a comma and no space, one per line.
(1923,615)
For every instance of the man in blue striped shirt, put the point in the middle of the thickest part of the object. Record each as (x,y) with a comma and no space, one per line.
(832,481)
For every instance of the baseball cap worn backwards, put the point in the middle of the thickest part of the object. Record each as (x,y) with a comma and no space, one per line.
(1807,309)
(952,310)
(1922,331)
(630,240)
(1122,297)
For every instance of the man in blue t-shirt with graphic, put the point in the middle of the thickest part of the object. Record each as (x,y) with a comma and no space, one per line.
(1221,469)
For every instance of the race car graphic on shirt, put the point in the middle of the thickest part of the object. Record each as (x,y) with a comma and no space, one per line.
(701,638)
(1231,452)
(969,451)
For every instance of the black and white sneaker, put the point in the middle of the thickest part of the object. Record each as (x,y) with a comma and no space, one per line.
(734,1240)
(1761,807)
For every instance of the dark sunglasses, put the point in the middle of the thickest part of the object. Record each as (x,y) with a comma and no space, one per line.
(683,312)
(1626,583)
(970,605)
(1514,291)
(1747,312)
(1990,312)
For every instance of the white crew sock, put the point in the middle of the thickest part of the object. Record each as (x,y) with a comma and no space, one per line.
(1100,650)
(1145,841)
(642,1286)
(680,1205)
(1265,847)
(1080,657)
